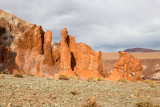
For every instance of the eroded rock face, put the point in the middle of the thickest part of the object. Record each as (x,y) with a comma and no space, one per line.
(33,53)
(7,60)
(127,67)
(78,59)
(85,62)
(65,57)
(48,57)
(11,28)
(65,51)
(151,69)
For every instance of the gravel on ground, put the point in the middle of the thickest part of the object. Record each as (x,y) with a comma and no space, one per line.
(32,91)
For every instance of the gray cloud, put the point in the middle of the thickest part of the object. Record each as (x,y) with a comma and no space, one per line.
(107,25)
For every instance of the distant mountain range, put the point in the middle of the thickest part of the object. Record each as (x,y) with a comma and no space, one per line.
(141,50)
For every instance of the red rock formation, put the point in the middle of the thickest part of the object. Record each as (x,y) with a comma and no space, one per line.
(7,60)
(78,59)
(32,40)
(85,62)
(105,73)
(56,55)
(48,57)
(65,51)
(65,55)
(35,53)
(127,67)
(11,28)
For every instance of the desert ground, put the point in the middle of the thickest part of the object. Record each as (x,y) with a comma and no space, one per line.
(32,91)
(139,55)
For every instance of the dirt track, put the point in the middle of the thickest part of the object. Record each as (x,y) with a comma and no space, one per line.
(34,91)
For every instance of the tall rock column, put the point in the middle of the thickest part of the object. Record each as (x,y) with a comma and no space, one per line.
(65,55)
(65,51)
(48,58)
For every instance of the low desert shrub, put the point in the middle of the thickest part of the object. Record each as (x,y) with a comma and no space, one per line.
(4,72)
(63,77)
(146,104)
(74,92)
(156,105)
(30,75)
(18,75)
(122,80)
(151,83)
(70,77)
(100,79)
(91,102)
(91,79)
(136,92)
(134,80)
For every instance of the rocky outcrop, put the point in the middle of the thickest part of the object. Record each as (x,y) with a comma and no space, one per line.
(48,56)
(34,54)
(65,51)
(127,67)
(151,69)
(65,57)
(78,59)
(85,62)
(7,60)
(11,28)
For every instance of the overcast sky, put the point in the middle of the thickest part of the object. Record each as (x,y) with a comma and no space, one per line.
(106,25)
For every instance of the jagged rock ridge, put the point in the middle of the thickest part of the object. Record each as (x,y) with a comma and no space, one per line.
(35,55)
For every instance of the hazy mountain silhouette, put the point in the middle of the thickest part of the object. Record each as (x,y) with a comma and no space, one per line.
(141,50)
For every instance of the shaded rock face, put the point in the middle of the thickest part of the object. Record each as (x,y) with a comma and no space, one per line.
(56,52)
(127,67)
(151,69)
(11,28)
(78,59)
(34,54)
(7,60)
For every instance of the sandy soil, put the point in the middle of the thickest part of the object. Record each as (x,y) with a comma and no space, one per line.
(42,91)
